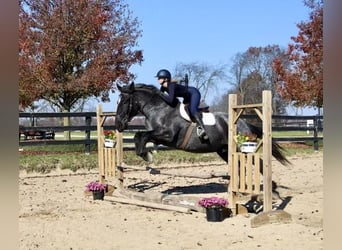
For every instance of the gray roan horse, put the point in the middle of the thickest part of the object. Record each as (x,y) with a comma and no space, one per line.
(165,124)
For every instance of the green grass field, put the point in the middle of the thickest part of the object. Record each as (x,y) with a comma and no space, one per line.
(73,158)
(77,135)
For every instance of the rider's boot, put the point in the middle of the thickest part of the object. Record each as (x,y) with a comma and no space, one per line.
(202,133)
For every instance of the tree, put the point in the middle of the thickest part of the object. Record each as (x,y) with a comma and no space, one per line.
(301,84)
(202,76)
(252,72)
(71,50)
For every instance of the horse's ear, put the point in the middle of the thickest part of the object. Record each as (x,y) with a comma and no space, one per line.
(119,87)
(126,88)
(131,87)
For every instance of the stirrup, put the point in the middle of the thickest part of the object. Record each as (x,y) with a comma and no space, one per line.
(201,133)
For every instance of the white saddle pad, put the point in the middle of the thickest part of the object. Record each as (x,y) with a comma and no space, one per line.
(207,117)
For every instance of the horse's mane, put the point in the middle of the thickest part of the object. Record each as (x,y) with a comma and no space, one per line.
(146,87)
(152,90)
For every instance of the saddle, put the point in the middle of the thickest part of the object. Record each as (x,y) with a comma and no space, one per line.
(207,117)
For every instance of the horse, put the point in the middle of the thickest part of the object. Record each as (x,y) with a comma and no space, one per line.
(165,125)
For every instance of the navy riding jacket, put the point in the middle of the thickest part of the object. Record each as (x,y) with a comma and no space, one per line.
(190,94)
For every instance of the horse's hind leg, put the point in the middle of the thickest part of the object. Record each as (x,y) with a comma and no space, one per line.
(275,192)
(223,153)
(140,140)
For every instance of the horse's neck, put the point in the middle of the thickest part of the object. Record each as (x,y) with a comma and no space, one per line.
(154,106)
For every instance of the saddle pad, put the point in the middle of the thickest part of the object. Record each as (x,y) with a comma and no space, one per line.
(207,117)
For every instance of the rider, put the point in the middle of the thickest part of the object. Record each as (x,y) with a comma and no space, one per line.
(189,93)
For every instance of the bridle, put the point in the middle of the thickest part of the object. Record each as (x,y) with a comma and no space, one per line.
(130,104)
(130,107)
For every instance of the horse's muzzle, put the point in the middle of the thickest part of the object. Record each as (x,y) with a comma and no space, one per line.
(120,126)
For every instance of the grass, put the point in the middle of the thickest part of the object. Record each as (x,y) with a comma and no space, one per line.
(294,134)
(44,159)
(48,162)
(76,135)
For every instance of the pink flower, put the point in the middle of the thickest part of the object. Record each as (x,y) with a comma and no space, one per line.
(95,186)
(213,202)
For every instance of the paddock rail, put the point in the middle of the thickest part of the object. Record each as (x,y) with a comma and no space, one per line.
(50,124)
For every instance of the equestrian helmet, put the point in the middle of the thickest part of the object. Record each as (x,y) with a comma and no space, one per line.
(164,73)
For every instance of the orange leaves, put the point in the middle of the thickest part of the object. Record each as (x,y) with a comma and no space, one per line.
(76,49)
(301,81)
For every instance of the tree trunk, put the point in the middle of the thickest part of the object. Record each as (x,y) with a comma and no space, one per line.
(66,122)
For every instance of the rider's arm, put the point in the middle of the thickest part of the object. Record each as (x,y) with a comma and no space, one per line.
(170,97)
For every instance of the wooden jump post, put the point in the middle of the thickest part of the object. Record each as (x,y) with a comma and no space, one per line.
(244,169)
(108,158)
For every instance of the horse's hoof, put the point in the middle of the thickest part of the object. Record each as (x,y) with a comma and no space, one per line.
(147,157)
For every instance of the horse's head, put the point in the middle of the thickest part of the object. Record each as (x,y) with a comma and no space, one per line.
(137,98)
(125,110)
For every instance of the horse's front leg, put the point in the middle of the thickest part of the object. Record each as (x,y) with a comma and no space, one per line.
(140,140)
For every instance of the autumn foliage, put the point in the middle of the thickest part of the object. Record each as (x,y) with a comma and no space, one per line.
(74,49)
(300,81)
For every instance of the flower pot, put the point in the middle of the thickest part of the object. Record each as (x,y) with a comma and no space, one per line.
(109,143)
(214,214)
(98,194)
(248,147)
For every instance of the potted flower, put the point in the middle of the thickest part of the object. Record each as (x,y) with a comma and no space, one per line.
(98,189)
(214,207)
(110,137)
(247,143)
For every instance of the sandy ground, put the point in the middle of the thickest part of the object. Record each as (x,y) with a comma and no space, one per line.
(55,213)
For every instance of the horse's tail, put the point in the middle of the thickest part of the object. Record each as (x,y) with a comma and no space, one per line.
(277,150)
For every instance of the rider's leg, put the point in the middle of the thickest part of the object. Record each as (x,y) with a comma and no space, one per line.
(202,134)
(195,97)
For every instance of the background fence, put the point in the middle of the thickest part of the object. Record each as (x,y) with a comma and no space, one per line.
(48,128)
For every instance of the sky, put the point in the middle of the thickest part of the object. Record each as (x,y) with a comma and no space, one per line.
(211,32)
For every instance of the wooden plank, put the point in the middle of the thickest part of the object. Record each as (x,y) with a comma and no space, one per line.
(100,143)
(109,113)
(249,169)
(102,120)
(113,165)
(236,178)
(147,204)
(187,201)
(240,209)
(246,106)
(257,173)
(105,157)
(242,175)
(260,115)
(267,149)
(271,217)
(237,116)
(232,101)
(198,176)
(110,161)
